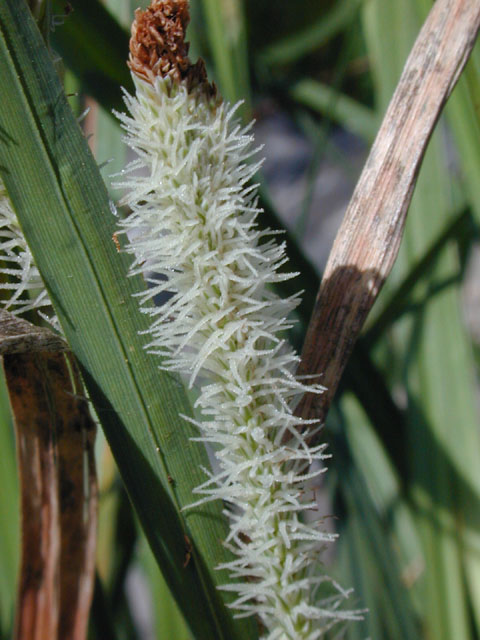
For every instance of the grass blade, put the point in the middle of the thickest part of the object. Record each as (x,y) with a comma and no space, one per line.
(464,120)
(9,516)
(400,300)
(373,558)
(95,47)
(436,363)
(228,44)
(340,108)
(367,242)
(44,159)
(168,621)
(297,45)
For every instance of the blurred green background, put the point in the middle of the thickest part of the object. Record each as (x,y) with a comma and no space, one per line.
(404,480)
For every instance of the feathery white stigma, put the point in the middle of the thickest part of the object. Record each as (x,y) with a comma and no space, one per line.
(218,323)
(22,281)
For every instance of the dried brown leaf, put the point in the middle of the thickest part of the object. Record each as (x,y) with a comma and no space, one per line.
(367,243)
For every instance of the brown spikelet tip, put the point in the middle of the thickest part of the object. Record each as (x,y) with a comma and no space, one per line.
(158,47)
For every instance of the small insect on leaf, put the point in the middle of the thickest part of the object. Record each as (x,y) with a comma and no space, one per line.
(116,241)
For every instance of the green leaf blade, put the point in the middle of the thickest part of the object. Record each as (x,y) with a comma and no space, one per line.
(63,208)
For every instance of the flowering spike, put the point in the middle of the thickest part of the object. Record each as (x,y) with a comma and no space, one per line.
(193,234)
(22,280)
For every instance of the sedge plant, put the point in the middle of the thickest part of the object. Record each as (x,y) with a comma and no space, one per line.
(193,234)
(217,322)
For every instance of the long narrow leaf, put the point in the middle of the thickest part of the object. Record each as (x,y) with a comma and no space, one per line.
(95,47)
(374,557)
(464,119)
(349,113)
(442,426)
(9,511)
(314,36)
(400,300)
(63,208)
(227,38)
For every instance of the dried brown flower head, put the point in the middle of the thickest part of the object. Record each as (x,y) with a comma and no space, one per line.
(158,47)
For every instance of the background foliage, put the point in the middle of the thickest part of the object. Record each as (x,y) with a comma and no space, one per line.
(404,481)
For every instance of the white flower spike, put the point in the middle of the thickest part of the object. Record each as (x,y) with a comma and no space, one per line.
(24,285)
(192,225)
